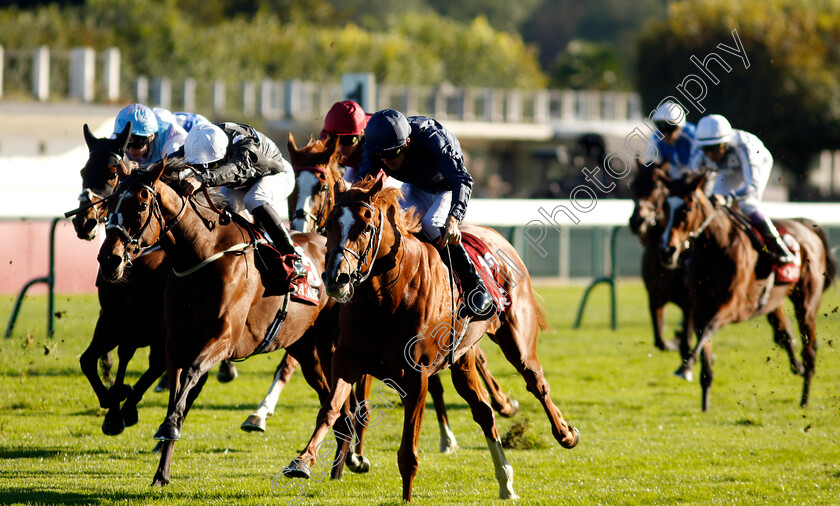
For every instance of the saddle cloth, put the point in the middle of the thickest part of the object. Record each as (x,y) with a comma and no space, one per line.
(785,273)
(487,266)
(277,270)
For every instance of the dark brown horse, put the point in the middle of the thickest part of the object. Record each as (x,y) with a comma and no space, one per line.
(316,173)
(663,284)
(398,298)
(215,303)
(728,278)
(135,300)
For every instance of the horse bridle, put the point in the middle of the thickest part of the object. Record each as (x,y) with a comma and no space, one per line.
(357,277)
(115,222)
(86,197)
(325,203)
(694,234)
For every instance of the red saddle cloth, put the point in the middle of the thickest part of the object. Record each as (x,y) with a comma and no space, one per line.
(789,272)
(487,266)
(277,270)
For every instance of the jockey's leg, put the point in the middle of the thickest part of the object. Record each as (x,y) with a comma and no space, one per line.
(477,301)
(771,235)
(261,200)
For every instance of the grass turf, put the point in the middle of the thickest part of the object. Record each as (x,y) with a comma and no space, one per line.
(644,439)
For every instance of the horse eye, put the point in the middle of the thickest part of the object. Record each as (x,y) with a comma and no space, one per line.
(112,176)
(144,206)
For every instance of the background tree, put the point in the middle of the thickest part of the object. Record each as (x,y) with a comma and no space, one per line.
(789,96)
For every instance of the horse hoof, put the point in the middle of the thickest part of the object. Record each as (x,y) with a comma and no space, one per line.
(685,374)
(160,481)
(447,447)
(297,469)
(253,423)
(227,372)
(130,416)
(158,447)
(167,432)
(574,443)
(512,411)
(358,464)
(113,423)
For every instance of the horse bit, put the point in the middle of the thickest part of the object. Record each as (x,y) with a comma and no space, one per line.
(356,277)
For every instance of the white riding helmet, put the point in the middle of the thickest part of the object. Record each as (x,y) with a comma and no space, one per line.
(670,112)
(206,143)
(713,129)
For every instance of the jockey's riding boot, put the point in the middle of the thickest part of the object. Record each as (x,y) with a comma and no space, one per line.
(477,301)
(771,236)
(270,221)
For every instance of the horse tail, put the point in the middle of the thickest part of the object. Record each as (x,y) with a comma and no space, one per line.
(539,306)
(830,262)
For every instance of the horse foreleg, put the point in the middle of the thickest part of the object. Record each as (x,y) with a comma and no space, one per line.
(301,466)
(184,400)
(448,443)
(704,335)
(706,374)
(783,336)
(105,365)
(98,346)
(113,423)
(357,462)
(256,420)
(499,401)
(157,365)
(467,383)
(414,403)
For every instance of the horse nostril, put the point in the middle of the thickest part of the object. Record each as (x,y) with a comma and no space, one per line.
(342,279)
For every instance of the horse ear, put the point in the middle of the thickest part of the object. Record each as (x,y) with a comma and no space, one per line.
(122,138)
(340,186)
(89,138)
(699,182)
(161,170)
(123,168)
(290,144)
(379,183)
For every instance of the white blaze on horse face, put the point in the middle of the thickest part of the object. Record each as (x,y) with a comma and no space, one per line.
(308,185)
(674,203)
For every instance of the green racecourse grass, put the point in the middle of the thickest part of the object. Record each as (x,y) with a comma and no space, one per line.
(644,439)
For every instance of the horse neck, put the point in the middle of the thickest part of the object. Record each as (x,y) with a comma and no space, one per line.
(399,254)
(189,240)
(720,231)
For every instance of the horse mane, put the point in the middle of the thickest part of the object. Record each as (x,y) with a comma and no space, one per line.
(172,168)
(388,199)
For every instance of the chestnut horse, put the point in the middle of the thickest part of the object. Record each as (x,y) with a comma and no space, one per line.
(316,169)
(398,295)
(663,285)
(728,278)
(136,300)
(215,303)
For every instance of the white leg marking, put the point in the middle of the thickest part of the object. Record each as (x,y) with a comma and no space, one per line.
(448,444)
(504,471)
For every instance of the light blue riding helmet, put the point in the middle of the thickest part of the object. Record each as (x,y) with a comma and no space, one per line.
(142,118)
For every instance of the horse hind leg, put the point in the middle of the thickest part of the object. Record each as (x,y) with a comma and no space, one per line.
(113,423)
(448,443)
(256,421)
(468,384)
(806,306)
(499,401)
(706,374)
(783,336)
(522,354)
(157,364)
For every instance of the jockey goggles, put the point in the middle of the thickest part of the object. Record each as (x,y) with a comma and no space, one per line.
(713,148)
(138,141)
(390,154)
(665,127)
(348,140)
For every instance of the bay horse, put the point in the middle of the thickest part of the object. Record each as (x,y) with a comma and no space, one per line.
(135,300)
(663,284)
(215,302)
(729,282)
(316,174)
(396,293)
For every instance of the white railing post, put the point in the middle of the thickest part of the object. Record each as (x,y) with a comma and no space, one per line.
(269,106)
(541,106)
(41,73)
(82,71)
(2,63)
(189,95)
(111,77)
(218,97)
(249,99)
(142,90)
(162,92)
(514,106)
